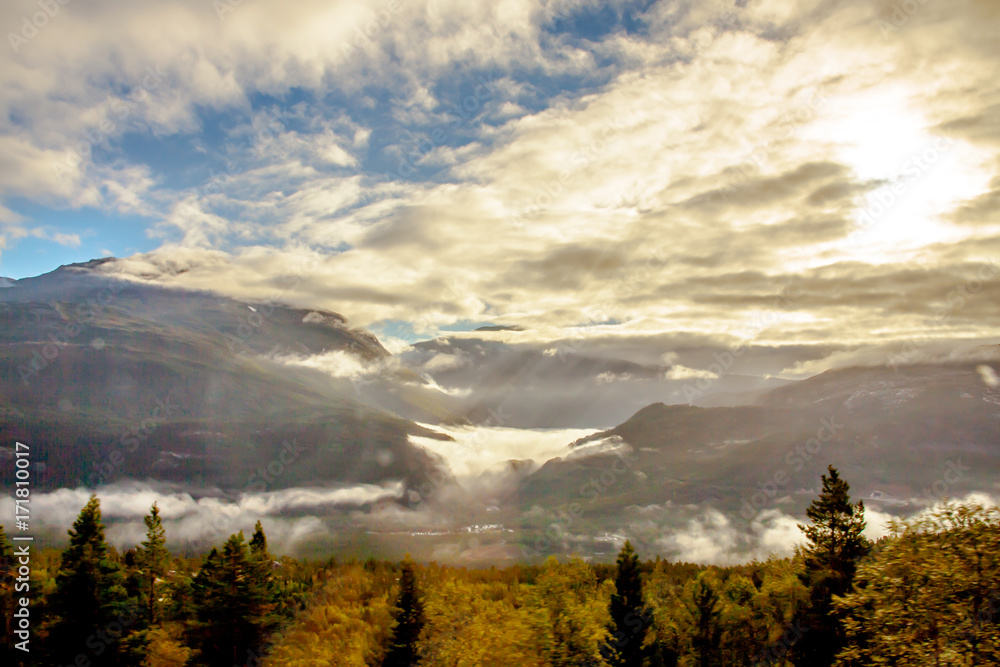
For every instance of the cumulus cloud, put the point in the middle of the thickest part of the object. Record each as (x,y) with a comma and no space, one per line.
(712,537)
(464,162)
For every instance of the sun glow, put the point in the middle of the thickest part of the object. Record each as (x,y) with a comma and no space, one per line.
(915,173)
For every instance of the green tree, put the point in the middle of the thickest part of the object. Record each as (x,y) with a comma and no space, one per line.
(153,559)
(571,613)
(931,595)
(704,607)
(408,620)
(235,603)
(742,630)
(89,605)
(258,542)
(630,619)
(836,545)
(7,569)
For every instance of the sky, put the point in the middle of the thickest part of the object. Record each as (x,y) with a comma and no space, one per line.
(803,173)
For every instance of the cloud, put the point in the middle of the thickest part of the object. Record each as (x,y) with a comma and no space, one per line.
(197,518)
(710,537)
(678,372)
(336,363)
(989,375)
(468,162)
(480,449)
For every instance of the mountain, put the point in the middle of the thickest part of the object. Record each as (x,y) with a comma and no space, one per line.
(107,379)
(913,434)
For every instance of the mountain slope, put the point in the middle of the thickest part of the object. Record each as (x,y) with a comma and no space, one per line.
(110,379)
(918,433)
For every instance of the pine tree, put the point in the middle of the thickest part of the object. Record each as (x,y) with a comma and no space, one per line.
(704,607)
(630,618)
(836,544)
(153,559)
(836,536)
(258,542)
(89,604)
(235,604)
(409,621)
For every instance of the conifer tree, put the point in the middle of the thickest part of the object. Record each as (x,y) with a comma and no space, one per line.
(408,617)
(630,618)
(235,605)
(6,551)
(836,545)
(6,598)
(704,608)
(258,542)
(153,559)
(89,605)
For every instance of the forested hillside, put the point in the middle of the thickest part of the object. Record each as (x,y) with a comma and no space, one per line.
(928,594)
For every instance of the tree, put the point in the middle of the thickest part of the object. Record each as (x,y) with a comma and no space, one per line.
(89,604)
(931,595)
(166,647)
(408,618)
(258,542)
(234,602)
(6,598)
(703,606)
(630,618)
(836,545)
(571,615)
(152,558)
(836,536)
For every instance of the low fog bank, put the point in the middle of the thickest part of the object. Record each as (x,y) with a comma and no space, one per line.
(203,517)
(483,449)
(456,522)
(712,537)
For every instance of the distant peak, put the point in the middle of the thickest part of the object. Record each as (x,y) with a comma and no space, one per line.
(89,265)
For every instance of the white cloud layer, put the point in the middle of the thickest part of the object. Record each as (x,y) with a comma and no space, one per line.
(202,518)
(482,449)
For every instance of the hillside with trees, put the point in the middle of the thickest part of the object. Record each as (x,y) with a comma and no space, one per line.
(927,594)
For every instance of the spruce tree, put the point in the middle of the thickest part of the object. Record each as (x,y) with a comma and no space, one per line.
(630,619)
(89,604)
(704,607)
(408,617)
(153,559)
(235,606)
(258,542)
(836,544)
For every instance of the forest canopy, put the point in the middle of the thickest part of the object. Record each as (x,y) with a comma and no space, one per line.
(929,593)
